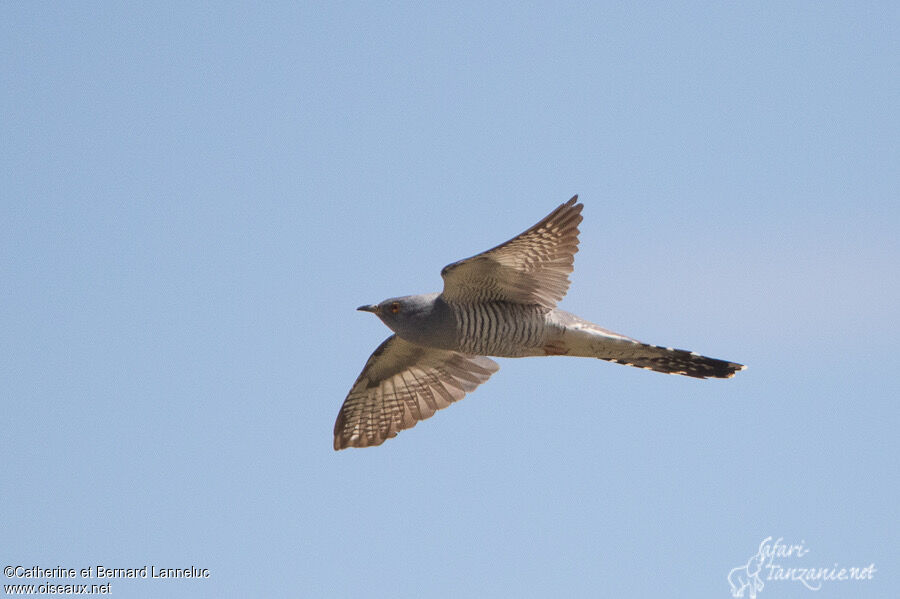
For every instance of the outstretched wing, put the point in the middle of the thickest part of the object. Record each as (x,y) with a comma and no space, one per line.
(401,384)
(531,268)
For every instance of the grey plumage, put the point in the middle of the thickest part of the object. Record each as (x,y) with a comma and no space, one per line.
(501,302)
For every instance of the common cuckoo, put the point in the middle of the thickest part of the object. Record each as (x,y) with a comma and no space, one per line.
(501,302)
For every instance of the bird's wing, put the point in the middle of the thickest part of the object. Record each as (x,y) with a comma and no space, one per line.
(531,268)
(401,384)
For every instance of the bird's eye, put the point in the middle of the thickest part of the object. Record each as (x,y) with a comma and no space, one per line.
(395,307)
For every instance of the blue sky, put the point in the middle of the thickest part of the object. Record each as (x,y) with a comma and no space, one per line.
(195,197)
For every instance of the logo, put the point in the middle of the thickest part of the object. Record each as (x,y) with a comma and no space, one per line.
(776,561)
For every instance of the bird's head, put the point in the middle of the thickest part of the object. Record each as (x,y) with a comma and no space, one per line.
(403,315)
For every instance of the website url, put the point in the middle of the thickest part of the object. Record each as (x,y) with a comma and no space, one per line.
(56,589)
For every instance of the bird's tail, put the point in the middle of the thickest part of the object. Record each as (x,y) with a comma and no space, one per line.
(584,338)
(671,361)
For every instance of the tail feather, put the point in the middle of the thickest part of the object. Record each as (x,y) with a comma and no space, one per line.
(672,361)
(584,338)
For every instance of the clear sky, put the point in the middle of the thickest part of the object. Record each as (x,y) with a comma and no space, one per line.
(194,198)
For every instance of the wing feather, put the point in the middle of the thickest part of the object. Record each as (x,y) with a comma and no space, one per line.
(401,384)
(531,268)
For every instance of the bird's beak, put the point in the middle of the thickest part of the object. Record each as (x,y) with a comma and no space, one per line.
(372,309)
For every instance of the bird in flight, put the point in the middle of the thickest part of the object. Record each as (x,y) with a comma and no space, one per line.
(501,302)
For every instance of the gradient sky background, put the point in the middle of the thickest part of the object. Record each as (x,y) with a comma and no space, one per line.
(196,197)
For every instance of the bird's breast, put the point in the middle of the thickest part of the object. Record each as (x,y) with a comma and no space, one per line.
(500,329)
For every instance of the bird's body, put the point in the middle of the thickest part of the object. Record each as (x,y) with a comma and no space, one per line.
(491,328)
(498,303)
